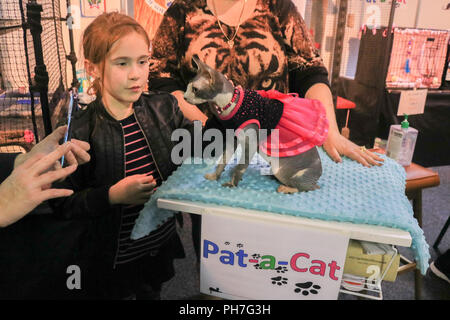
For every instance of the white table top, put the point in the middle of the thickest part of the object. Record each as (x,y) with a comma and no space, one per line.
(355,231)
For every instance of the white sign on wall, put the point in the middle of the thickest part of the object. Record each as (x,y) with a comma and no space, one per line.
(255,259)
(412,102)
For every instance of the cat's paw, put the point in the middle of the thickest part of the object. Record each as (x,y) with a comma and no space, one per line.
(287,190)
(228,184)
(211,176)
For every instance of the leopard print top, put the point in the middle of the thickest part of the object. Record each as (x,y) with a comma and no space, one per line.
(270,43)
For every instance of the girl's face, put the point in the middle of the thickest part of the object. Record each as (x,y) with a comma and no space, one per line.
(126,72)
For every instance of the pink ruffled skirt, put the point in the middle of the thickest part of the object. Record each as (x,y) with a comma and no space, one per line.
(303,125)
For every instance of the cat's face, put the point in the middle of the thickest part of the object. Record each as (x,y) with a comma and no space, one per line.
(208,85)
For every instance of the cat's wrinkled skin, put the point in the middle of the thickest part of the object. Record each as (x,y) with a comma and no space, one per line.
(296,173)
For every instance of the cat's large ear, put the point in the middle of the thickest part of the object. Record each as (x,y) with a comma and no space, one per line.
(200,65)
(203,68)
(196,63)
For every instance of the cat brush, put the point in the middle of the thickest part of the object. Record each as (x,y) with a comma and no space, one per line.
(67,136)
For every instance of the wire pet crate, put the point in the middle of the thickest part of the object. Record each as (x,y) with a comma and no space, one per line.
(417,58)
(32,71)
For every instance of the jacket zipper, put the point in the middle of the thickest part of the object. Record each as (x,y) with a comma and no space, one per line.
(156,165)
(121,208)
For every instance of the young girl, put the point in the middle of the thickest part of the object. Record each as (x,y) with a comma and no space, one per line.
(130,136)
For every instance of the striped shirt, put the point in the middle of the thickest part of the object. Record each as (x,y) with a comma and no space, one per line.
(138,160)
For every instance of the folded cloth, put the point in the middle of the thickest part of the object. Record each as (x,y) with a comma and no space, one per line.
(348,192)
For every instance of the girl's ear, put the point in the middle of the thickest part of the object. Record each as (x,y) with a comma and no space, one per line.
(92,69)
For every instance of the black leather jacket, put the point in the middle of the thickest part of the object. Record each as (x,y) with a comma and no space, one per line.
(158,116)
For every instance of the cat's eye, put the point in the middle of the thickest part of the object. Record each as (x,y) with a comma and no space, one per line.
(194,89)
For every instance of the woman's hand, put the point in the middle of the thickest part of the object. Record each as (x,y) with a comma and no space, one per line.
(337,145)
(77,153)
(190,111)
(30,184)
(135,189)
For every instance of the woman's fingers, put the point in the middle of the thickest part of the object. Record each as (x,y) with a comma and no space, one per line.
(375,157)
(59,133)
(31,161)
(357,156)
(78,153)
(82,144)
(48,161)
(54,193)
(80,150)
(52,176)
(371,158)
(334,154)
(337,145)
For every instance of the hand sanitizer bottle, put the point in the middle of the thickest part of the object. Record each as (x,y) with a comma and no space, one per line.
(401,142)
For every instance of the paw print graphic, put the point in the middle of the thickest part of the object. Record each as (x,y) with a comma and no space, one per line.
(279,280)
(281,269)
(306,288)
(257,266)
(256,256)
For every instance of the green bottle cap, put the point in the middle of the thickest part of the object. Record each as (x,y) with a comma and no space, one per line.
(405,123)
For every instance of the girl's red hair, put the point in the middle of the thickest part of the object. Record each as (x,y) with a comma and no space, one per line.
(102,33)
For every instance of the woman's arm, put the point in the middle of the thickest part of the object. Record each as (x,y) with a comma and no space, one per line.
(311,81)
(337,145)
(164,67)
(190,111)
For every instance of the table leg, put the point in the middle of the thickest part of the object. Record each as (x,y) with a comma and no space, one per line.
(417,284)
(417,206)
(416,197)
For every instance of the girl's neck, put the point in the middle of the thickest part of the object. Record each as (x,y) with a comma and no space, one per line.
(117,110)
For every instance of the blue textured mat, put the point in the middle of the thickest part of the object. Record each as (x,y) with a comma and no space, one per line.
(348,192)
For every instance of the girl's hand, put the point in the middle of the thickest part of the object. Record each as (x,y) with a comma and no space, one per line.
(135,189)
(336,145)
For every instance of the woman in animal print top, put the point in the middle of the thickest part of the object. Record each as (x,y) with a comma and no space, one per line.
(258,44)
